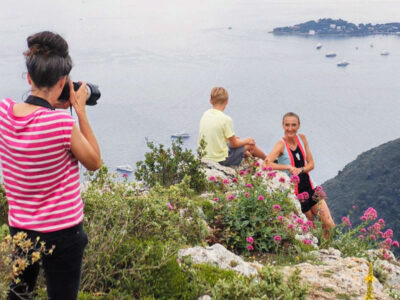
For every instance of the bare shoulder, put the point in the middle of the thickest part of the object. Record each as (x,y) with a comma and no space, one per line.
(279,147)
(303,137)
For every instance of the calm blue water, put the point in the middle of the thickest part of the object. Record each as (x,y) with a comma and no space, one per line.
(156,61)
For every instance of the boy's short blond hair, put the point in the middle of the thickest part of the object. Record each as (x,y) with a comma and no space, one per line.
(218,95)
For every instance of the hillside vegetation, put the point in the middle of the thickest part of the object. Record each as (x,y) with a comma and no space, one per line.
(372,180)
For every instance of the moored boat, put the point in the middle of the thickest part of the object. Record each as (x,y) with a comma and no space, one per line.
(343,63)
(330,54)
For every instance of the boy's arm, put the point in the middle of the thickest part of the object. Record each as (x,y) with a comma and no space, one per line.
(236,142)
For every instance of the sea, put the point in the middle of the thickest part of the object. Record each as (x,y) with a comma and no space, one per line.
(156,61)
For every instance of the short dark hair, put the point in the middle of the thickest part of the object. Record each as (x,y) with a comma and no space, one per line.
(290,114)
(47,58)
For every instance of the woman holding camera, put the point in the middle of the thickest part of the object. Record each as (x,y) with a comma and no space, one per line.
(39,150)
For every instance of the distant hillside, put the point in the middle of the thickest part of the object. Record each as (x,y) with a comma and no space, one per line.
(373,179)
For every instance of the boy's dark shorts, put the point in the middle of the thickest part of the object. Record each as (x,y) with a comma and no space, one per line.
(235,156)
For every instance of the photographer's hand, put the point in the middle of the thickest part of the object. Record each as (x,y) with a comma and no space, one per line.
(78,98)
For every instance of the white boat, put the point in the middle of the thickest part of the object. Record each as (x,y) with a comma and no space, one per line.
(330,54)
(385,53)
(125,168)
(319,46)
(183,135)
(343,63)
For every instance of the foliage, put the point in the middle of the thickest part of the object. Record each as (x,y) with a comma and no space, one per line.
(270,285)
(3,206)
(369,234)
(253,213)
(134,239)
(168,166)
(16,254)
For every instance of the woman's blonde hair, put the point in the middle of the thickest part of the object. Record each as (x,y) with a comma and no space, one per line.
(218,95)
(290,114)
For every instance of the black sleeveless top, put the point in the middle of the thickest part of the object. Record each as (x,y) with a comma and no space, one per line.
(304,184)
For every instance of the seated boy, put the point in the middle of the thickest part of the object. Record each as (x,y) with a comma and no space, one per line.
(216,128)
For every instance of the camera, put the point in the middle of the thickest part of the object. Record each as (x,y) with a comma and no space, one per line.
(92,89)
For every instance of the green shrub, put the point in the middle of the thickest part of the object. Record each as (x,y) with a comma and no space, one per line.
(269,285)
(3,206)
(250,207)
(133,238)
(168,166)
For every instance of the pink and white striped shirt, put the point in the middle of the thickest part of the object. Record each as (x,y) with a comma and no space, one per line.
(41,176)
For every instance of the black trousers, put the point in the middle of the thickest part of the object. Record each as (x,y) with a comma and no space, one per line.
(62,269)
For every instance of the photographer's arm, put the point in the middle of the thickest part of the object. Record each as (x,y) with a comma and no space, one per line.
(84,145)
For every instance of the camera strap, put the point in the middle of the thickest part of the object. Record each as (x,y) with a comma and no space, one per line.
(39,102)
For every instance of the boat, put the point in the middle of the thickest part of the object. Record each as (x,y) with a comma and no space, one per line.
(343,63)
(125,168)
(330,54)
(385,53)
(319,46)
(183,135)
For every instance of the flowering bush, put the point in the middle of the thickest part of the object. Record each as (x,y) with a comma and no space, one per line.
(369,234)
(254,213)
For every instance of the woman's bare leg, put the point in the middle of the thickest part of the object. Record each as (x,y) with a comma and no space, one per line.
(321,210)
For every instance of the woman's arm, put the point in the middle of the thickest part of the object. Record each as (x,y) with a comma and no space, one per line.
(309,164)
(84,145)
(275,153)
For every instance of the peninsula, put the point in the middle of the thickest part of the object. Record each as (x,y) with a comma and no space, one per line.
(331,27)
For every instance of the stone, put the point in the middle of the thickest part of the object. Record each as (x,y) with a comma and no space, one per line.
(392,272)
(205,297)
(217,255)
(336,276)
(212,168)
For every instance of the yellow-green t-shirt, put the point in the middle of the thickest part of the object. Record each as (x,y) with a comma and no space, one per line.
(216,128)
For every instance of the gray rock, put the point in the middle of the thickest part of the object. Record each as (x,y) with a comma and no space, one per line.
(217,255)
(392,271)
(212,168)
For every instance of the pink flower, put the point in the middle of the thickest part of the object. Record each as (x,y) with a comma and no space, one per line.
(299,221)
(234,180)
(380,233)
(304,228)
(216,199)
(386,256)
(361,237)
(363,218)
(388,241)
(212,178)
(372,237)
(307,241)
(281,179)
(231,197)
(257,164)
(276,207)
(370,214)
(294,216)
(250,247)
(277,238)
(382,222)
(280,218)
(249,185)
(241,172)
(225,181)
(290,226)
(388,233)
(310,224)
(353,207)
(250,239)
(295,179)
(261,198)
(271,174)
(170,206)
(125,175)
(258,174)
(306,195)
(248,171)
(376,227)
(363,230)
(346,221)
(300,197)
(247,194)
(264,168)
(396,244)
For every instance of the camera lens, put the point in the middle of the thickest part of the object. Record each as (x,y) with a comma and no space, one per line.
(92,89)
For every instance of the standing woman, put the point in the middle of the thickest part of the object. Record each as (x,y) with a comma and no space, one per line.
(295,158)
(39,150)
